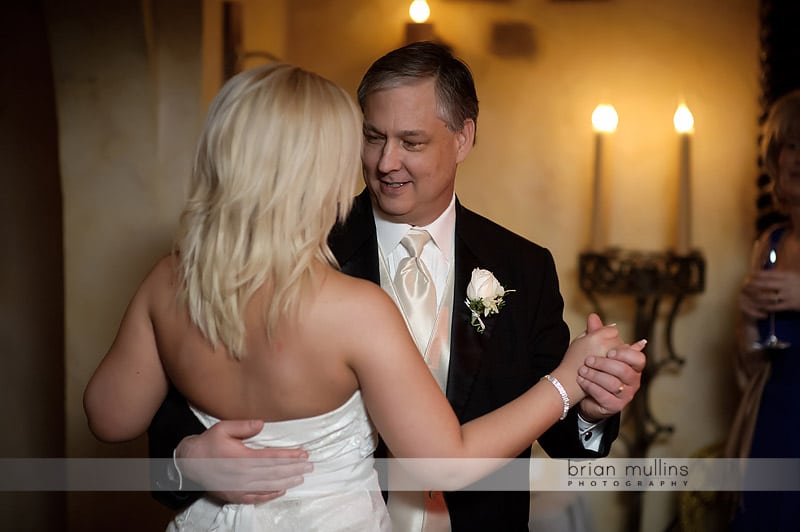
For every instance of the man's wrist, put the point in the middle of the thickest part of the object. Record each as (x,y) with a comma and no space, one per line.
(182,481)
(586,417)
(590,432)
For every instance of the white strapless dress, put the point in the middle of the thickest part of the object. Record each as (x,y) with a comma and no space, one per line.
(341,494)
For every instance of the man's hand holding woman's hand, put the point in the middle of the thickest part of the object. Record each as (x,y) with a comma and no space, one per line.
(610,382)
(595,342)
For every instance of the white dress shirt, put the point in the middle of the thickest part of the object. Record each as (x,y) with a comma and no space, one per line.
(438,254)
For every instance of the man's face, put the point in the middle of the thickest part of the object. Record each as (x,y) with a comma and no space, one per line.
(409,155)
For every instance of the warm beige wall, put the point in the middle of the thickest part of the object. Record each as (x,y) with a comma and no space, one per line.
(127,78)
(128,121)
(263,37)
(264,31)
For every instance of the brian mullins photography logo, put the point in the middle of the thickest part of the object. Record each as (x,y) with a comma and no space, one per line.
(644,474)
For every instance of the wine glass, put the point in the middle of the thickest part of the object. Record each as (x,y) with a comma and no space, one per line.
(767,262)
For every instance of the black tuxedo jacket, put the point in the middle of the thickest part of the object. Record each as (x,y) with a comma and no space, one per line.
(526,340)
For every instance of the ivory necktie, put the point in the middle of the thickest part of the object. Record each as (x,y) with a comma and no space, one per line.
(415,289)
(414,510)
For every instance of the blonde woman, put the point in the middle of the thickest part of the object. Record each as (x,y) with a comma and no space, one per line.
(249,318)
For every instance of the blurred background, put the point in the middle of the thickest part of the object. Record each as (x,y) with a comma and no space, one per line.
(102,102)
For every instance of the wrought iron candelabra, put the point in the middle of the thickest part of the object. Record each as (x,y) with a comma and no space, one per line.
(649,277)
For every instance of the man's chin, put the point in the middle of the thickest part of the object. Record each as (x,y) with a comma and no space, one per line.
(391,208)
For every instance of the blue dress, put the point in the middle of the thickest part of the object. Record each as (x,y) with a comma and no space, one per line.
(777,430)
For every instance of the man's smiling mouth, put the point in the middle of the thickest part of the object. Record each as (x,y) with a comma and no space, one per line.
(395,185)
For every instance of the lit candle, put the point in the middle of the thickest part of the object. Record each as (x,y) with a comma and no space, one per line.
(604,120)
(684,126)
(420,29)
(419,11)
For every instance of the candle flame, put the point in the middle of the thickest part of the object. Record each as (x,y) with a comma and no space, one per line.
(604,118)
(419,11)
(683,119)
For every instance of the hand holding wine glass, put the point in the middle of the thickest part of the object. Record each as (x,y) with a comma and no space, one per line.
(766,259)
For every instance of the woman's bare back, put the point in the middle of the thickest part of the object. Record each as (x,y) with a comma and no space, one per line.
(303,373)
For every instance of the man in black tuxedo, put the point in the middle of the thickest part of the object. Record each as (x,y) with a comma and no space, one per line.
(420,114)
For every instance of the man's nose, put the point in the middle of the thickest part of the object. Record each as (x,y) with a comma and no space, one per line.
(390,158)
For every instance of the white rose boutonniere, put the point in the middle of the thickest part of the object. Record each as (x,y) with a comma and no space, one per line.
(485,296)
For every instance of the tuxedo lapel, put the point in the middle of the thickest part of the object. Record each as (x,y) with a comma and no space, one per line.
(354,242)
(466,344)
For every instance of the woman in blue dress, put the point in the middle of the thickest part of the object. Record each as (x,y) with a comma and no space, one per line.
(772,368)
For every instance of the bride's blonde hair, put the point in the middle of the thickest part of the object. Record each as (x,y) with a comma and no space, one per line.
(277,164)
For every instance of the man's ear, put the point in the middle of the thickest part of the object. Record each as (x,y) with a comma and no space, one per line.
(465,139)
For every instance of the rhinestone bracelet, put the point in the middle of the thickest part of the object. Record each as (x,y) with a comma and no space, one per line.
(561,391)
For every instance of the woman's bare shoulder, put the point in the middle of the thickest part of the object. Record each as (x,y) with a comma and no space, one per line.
(357,296)
(165,270)
(161,282)
(348,306)
(362,320)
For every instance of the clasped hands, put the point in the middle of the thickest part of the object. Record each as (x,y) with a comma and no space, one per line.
(610,383)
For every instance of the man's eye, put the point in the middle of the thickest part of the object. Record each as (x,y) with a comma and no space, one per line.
(373,139)
(412,145)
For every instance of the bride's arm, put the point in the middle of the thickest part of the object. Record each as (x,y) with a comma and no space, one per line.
(129,384)
(416,420)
